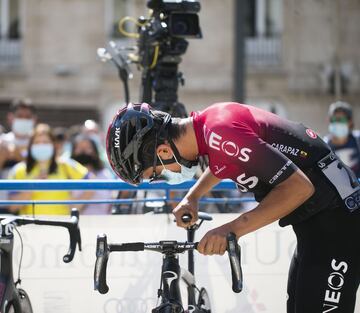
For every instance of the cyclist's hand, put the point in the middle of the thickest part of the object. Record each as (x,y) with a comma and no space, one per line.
(214,241)
(186,206)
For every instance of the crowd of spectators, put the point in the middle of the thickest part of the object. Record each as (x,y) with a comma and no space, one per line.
(34,150)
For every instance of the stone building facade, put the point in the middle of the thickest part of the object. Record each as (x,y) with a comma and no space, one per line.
(297,52)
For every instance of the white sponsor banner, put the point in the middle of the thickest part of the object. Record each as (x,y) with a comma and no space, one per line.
(134,277)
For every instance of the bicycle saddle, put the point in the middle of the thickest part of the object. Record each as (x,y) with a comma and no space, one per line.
(204,216)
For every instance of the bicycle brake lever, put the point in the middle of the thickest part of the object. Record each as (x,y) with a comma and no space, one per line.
(75,236)
(102,256)
(234,253)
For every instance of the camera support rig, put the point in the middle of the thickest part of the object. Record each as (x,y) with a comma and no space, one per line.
(161,42)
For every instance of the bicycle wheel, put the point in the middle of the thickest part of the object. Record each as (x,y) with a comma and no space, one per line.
(24,302)
(203,302)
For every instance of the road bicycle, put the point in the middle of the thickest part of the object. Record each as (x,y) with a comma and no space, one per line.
(14,299)
(171,272)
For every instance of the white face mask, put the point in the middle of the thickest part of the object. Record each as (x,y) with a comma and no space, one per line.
(173,178)
(339,130)
(23,126)
(42,151)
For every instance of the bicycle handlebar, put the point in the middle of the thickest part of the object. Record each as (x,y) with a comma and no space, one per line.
(186,218)
(71,225)
(103,249)
(234,252)
(102,257)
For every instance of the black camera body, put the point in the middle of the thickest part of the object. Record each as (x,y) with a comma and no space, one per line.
(180,16)
(162,41)
(174,5)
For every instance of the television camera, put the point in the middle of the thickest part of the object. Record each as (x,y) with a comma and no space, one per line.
(161,41)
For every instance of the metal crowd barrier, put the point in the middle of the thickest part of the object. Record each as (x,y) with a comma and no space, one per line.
(21,185)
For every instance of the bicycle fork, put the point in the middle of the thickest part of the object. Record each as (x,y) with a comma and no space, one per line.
(169,290)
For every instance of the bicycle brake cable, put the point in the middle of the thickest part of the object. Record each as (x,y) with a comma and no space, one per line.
(21,256)
(159,293)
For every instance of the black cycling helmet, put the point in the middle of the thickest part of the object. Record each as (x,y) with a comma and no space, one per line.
(131,127)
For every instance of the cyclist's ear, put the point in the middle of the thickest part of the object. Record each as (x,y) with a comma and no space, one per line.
(165,152)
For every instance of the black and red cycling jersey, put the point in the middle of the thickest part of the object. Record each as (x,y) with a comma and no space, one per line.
(258,150)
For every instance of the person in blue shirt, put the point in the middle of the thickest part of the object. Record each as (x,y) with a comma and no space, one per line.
(342,138)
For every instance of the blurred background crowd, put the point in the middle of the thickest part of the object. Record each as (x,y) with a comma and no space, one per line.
(31,149)
(298,59)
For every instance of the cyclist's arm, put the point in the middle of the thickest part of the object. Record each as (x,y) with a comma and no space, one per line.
(280,201)
(204,184)
(189,205)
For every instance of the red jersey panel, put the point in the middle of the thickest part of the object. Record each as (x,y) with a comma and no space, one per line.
(253,147)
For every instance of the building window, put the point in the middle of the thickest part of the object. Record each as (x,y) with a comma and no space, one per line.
(263,30)
(9,19)
(10,34)
(263,18)
(116,10)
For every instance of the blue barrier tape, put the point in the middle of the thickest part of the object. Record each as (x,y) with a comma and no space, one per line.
(19,185)
(100,185)
(122,201)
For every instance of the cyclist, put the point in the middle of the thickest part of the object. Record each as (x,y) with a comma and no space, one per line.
(295,177)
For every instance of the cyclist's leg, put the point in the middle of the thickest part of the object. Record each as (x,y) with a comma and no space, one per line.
(329,262)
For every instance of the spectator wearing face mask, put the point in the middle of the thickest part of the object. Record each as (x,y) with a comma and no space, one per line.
(342,137)
(62,142)
(85,151)
(93,130)
(41,163)
(13,145)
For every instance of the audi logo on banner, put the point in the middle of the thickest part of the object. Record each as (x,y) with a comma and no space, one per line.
(129,305)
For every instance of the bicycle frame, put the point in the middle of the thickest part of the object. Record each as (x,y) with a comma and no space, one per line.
(10,294)
(171,272)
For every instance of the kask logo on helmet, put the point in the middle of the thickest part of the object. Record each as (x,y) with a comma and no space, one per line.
(117,137)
